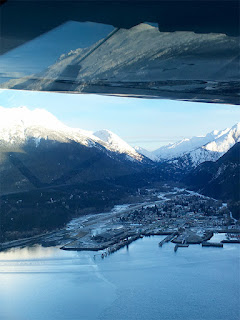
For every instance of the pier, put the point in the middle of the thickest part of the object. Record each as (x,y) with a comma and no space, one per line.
(167,239)
(181,245)
(212,244)
(231,241)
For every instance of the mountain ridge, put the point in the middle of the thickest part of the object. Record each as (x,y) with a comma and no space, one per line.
(220,179)
(39,151)
(18,125)
(195,150)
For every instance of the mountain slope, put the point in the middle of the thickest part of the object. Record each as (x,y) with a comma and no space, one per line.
(146,153)
(181,147)
(37,150)
(191,152)
(19,125)
(213,150)
(116,144)
(220,179)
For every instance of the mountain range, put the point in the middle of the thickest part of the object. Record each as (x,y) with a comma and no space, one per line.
(220,179)
(193,151)
(51,173)
(37,150)
(20,125)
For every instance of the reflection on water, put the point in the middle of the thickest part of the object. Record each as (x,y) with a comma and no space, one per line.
(143,282)
(31,253)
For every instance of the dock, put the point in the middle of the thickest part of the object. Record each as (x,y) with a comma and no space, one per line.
(230,241)
(167,239)
(212,244)
(181,245)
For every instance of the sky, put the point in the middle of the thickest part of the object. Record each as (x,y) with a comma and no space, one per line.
(148,123)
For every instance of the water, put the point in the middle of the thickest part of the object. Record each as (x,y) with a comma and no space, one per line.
(143,282)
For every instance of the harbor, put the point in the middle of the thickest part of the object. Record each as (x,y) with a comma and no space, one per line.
(144,275)
(182,216)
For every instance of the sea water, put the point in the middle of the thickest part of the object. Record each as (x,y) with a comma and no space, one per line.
(142,281)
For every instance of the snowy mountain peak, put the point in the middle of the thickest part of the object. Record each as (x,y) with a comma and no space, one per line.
(18,125)
(221,142)
(198,149)
(26,117)
(236,127)
(178,148)
(116,144)
(224,140)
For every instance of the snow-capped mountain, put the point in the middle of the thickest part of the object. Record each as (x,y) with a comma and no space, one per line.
(146,153)
(20,125)
(179,148)
(225,140)
(220,179)
(195,150)
(216,148)
(116,144)
(37,151)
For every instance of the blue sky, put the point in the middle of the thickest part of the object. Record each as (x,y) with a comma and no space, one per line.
(149,123)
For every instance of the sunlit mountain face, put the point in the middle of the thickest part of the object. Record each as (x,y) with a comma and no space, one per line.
(52,172)
(19,126)
(195,150)
(119,152)
(38,150)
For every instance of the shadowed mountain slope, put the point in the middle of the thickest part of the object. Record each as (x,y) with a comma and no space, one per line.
(220,179)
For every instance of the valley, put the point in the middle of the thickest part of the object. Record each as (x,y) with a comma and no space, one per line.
(52,174)
(119,160)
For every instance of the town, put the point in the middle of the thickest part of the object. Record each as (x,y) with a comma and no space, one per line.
(182,216)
